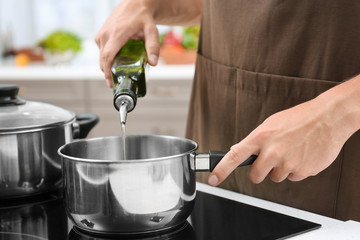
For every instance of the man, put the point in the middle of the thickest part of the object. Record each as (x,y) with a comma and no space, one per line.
(267,83)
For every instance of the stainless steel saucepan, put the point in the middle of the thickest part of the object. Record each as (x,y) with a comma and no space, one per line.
(30,135)
(152,190)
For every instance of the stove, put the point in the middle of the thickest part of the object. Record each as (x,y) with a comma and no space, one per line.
(213,217)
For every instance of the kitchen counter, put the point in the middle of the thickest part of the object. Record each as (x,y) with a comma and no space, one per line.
(39,72)
(330,229)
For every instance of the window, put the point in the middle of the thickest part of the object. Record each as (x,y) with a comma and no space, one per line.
(35,19)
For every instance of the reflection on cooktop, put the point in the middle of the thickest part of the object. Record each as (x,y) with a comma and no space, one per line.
(219,218)
(185,231)
(44,218)
(33,218)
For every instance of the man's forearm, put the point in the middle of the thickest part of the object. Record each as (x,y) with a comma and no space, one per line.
(175,12)
(344,99)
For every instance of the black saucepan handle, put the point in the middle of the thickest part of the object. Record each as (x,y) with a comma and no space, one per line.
(86,122)
(208,161)
(216,156)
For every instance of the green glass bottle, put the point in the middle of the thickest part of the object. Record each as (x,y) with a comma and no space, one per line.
(128,76)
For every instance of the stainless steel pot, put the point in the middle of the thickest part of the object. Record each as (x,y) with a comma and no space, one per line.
(152,190)
(30,135)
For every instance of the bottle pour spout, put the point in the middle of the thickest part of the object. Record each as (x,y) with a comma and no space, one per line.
(125,104)
(123,112)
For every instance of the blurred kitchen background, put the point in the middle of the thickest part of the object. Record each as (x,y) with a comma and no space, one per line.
(47,48)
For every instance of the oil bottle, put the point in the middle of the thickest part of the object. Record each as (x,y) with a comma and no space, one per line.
(128,76)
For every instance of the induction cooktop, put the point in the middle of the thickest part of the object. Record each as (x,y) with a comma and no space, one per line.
(213,217)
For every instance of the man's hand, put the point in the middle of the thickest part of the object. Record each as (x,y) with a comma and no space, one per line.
(131,19)
(137,19)
(298,142)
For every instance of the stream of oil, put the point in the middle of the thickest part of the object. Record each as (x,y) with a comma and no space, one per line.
(123,140)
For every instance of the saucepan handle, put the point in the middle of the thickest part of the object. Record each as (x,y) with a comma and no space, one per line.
(204,162)
(83,124)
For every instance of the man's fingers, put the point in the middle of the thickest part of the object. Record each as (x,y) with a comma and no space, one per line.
(115,43)
(109,82)
(296,177)
(100,39)
(278,174)
(237,154)
(152,44)
(260,169)
(107,56)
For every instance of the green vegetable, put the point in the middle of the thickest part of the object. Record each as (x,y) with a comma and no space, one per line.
(190,42)
(60,41)
(191,37)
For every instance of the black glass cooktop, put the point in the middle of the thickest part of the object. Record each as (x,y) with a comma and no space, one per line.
(213,217)
(219,218)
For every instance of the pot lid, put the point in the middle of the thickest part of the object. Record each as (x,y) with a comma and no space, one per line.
(17,114)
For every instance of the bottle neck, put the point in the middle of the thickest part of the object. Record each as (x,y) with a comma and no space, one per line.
(125,92)
(124,84)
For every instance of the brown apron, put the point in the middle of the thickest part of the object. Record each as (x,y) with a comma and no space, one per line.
(258,57)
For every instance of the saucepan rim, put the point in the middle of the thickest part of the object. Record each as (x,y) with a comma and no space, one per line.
(102,161)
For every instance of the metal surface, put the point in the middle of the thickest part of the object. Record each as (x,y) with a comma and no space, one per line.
(201,162)
(32,117)
(125,104)
(153,189)
(29,163)
(30,135)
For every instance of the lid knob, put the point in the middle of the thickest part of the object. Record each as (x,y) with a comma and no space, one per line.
(9,95)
